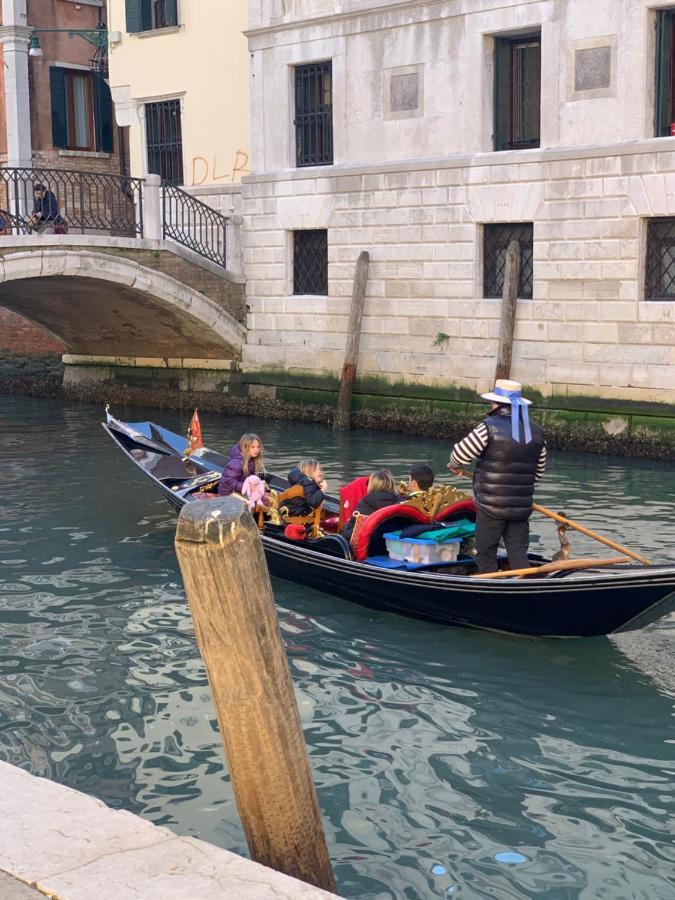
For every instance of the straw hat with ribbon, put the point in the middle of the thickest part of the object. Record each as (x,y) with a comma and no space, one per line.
(506,391)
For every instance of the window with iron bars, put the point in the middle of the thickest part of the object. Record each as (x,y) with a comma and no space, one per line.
(660,260)
(310,262)
(165,140)
(496,239)
(517,92)
(314,114)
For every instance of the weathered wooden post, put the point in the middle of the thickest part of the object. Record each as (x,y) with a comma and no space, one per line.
(341,420)
(228,588)
(509,304)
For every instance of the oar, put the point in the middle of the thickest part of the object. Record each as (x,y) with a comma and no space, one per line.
(587,531)
(556,567)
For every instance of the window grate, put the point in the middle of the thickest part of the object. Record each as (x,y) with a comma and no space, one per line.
(660,261)
(314,114)
(496,239)
(310,262)
(165,140)
(517,92)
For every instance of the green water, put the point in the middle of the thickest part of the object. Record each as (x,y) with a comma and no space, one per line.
(434,750)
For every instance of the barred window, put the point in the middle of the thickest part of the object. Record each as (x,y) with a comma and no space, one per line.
(660,261)
(314,114)
(310,262)
(517,92)
(496,239)
(165,140)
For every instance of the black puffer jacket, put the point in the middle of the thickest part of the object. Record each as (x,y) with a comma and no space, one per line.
(369,504)
(314,496)
(504,482)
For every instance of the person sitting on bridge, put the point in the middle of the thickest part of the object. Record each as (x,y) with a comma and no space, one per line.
(246,458)
(309,474)
(46,216)
(381,493)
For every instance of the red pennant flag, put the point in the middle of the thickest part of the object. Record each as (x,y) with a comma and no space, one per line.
(194,434)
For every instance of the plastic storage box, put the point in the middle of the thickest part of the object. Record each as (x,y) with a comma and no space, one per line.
(419,550)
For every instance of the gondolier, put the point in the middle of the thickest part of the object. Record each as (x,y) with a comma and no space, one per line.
(511,455)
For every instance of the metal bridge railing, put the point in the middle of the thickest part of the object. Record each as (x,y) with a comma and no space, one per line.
(194,224)
(87,201)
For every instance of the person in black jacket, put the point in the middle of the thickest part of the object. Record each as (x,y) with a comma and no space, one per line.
(511,455)
(381,493)
(309,474)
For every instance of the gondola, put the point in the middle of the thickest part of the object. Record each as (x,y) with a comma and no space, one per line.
(583,603)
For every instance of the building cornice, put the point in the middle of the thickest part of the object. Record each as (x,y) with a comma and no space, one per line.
(469,160)
(18,33)
(333,18)
(421,10)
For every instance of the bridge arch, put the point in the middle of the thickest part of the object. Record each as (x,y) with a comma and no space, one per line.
(100,302)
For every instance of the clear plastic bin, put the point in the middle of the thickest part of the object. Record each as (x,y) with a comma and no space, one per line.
(419,550)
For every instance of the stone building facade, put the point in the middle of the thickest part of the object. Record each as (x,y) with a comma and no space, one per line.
(456,126)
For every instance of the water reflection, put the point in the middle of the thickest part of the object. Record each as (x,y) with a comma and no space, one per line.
(447,762)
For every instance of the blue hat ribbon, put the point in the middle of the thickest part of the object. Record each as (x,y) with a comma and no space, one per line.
(518,405)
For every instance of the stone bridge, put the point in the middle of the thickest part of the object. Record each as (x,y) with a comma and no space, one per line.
(116,296)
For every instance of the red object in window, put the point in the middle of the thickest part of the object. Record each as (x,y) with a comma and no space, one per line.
(672,128)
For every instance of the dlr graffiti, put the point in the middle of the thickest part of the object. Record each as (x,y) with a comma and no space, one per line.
(203,170)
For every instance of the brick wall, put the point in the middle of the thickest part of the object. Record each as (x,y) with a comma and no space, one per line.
(587,329)
(19,336)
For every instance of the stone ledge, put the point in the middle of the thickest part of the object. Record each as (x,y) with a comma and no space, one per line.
(71,846)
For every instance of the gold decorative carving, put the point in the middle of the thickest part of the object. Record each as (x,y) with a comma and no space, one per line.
(436,498)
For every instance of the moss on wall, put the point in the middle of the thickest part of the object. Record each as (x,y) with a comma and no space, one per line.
(579,423)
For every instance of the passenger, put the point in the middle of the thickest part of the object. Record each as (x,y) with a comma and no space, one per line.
(421,479)
(309,474)
(246,458)
(381,493)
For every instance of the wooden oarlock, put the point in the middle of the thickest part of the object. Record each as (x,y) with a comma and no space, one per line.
(228,588)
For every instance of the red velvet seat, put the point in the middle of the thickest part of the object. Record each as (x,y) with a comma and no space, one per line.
(456,510)
(368,539)
(350,495)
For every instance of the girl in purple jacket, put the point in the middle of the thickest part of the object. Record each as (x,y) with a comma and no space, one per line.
(246,458)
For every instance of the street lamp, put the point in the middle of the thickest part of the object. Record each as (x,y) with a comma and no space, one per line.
(97,37)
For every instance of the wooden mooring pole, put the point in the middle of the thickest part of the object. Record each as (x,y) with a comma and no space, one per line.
(228,588)
(509,304)
(341,421)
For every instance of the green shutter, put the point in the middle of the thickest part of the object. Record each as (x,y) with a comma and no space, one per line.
(146,15)
(57,86)
(663,112)
(133,9)
(103,115)
(171,12)
(502,95)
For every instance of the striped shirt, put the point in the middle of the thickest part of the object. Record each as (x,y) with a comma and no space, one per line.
(472,446)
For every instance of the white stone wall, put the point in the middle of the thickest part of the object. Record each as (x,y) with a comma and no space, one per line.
(416,191)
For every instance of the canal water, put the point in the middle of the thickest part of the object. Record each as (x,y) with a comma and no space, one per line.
(448,762)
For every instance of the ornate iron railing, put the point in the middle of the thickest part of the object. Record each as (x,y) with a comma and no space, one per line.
(80,201)
(193,224)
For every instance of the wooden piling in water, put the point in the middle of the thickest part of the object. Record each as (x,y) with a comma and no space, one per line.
(509,305)
(341,421)
(228,588)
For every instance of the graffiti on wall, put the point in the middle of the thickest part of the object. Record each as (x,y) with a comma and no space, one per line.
(203,170)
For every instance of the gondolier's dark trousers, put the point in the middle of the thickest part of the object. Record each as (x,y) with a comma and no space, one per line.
(516,540)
